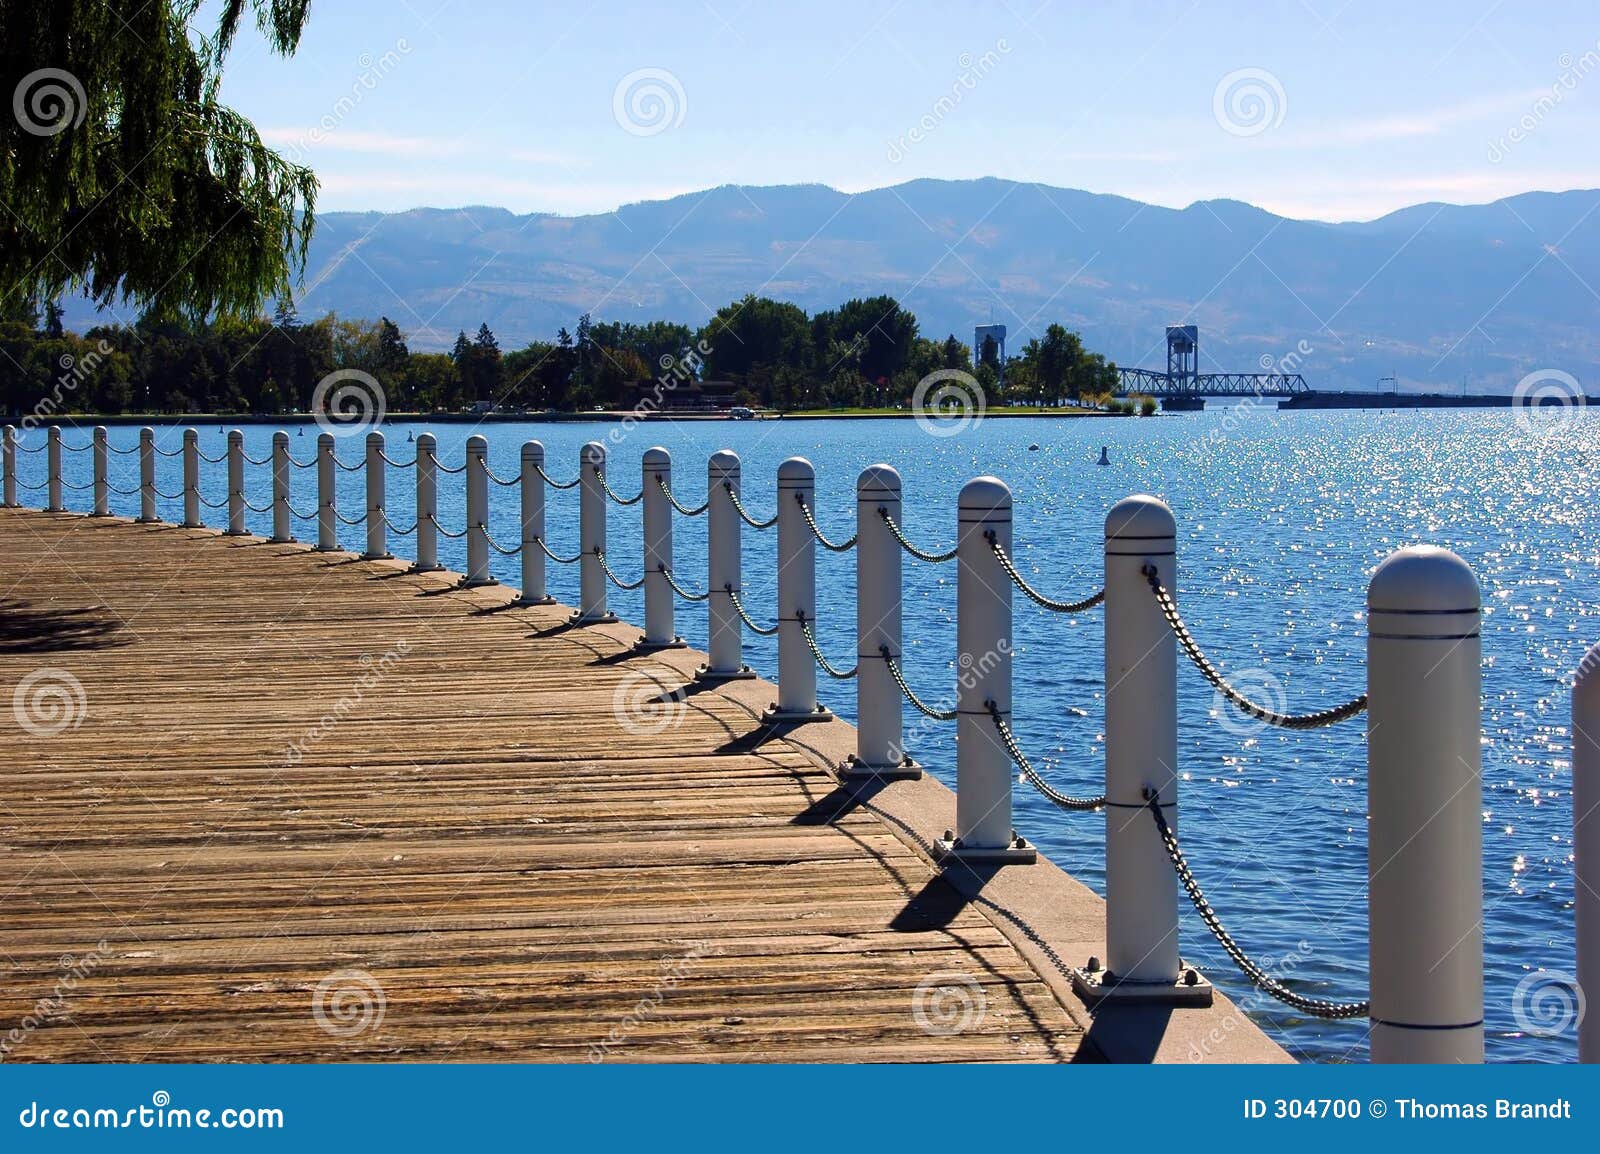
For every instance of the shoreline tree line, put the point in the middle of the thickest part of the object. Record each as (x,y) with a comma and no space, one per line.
(865,353)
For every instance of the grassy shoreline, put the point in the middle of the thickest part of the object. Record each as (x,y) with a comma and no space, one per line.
(89,420)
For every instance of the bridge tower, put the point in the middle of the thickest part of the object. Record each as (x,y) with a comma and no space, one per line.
(1183,357)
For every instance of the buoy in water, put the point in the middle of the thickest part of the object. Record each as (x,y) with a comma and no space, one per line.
(410,437)
(1104,460)
(1033,448)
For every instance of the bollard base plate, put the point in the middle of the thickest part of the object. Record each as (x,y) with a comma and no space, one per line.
(1097,987)
(772,715)
(606,618)
(476,582)
(377,556)
(523,602)
(852,768)
(1019,852)
(705,675)
(645,645)
(418,567)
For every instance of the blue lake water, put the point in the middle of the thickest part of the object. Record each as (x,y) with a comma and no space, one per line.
(1281,517)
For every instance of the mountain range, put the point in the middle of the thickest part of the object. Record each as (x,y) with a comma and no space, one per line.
(1442,297)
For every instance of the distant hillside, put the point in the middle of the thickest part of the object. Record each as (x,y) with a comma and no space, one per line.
(1435,294)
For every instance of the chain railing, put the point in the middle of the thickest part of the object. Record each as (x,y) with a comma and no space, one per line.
(816,531)
(678,505)
(905,689)
(503,482)
(495,545)
(686,594)
(905,543)
(738,605)
(744,514)
(822,662)
(388,460)
(556,557)
(1033,594)
(555,484)
(600,475)
(1317,720)
(443,532)
(1031,775)
(605,567)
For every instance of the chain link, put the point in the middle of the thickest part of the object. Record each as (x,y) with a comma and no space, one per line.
(556,557)
(396,530)
(35,488)
(461,468)
(1316,1007)
(1317,720)
(388,460)
(342,519)
(338,464)
(739,607)
(613,494)
(66,484)
(919,554)
(684,509)
(297,462)
(249,460)
(21,448)
(1034,595)
(900,680)
(210,460)
(503,482)
(446,532)
(615,580)
(1031,775)
(555,484)
(816,651)
(496,546)
(296,513)
(832,546)
(267,508)
(122,452)
(744,513)
(680,590)
(122,492)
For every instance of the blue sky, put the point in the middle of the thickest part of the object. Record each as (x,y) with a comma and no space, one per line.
(1311,108)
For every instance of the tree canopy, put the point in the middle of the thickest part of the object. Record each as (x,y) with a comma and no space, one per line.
(124,176)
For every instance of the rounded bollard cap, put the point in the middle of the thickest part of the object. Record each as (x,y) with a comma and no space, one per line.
(188,434)
(235,437)
(147,433)
(373,438)
(280,438)
(724,463)
(99,432)
(593,453)
(796,469)
(324,439)
(657,459)
(477,444)
(1140,518)
(1425,579)
(985,495)
(427,440)
(531,450)
(880,478)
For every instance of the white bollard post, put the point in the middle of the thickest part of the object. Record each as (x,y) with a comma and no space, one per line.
(236,525)
(797,597)
(983,681)
(8,461)
(427,504)
(327,496)
(477,513)
(1141,678)
(53,460)
(1425,808)
(534,590)
(660,610)
(102,464)
(880,734)
(147,477)
(725,651)
(1586,849)
(282,526)
(377,523)
(591,537)
(191,479)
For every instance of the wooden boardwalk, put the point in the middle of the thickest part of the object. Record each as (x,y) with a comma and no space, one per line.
(319,809)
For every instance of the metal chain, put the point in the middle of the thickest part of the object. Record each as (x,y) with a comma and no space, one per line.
(122,492)
(831,546)
(338,464)
(496,546)
(684,509)
(84,448)
(267,508)
(348,520)
(31,448)
(739,606)
(201,497)
(299,464)
(739,508)
(397,464)
(446,532)
(900,680)
(615,580)
(166,496)
(37,487)
(501,481)
(396,530)
(816,651)
(555,484)
(122,452)
(249,460)
(919,554)
(1034,595)
(210,460)
(1317,720)
(461,468)
(613,494)
(311,516)
(1031,775)
(66,484)
(556,557)
(680,590)
(1316,1007)
(160,452)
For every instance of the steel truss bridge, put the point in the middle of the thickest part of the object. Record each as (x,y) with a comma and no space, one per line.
(1155,383)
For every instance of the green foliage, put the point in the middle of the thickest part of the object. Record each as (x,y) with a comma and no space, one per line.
(125,178)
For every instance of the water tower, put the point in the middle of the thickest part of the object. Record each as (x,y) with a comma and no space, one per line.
(997,333)
(1183,357)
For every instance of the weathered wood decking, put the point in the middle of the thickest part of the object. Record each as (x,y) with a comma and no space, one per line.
(522,876)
